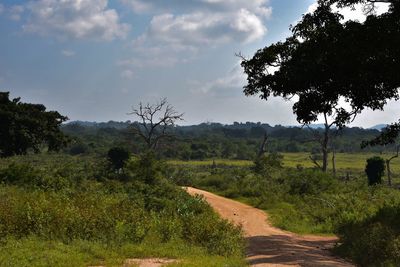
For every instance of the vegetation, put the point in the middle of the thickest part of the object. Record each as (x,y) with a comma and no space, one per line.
(27,126)
(80,210)
(317,66)
(375,169)
(306,200)
(239,141)
(111,195)
(118,156)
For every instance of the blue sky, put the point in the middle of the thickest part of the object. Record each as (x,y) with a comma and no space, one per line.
(94,60)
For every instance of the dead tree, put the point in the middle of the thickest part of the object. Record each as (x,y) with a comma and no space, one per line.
(388,170)
(155,122)
(263,146)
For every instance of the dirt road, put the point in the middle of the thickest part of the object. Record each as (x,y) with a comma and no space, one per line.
(270,246)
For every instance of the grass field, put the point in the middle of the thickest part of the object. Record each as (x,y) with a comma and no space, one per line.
(344,161)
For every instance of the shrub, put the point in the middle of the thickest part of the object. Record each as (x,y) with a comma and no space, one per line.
(265,163)
(78,149)
(375,169)
(374,241)
(146,168)
(117,156)
(309,182)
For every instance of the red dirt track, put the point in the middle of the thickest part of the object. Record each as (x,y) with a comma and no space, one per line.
(270,246)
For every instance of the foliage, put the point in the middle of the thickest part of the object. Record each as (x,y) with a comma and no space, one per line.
(325,61)
(375,170)
(146,168)
(78,202)
(239,141)
(388,135)
(374,241)
(118,156)
(265,163)
(28,126)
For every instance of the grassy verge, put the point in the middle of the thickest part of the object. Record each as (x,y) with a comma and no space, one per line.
(33,251)
(64,211)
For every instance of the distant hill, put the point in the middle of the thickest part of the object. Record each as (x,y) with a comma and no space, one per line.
(378,127)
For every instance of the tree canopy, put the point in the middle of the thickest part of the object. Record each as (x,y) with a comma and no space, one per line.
(27,126)
(327,62)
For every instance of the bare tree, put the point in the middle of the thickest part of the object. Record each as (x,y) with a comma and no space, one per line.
(263,147)
(155,122)
(388,169)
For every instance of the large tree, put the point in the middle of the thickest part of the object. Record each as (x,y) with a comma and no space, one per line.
(318,68)
(27,126)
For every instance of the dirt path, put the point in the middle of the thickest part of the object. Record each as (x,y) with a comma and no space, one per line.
(270,246)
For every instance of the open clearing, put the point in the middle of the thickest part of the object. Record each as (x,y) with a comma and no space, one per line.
(270,246)
(353,162)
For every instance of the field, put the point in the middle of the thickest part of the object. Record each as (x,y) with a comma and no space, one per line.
(353,162)
(60,210)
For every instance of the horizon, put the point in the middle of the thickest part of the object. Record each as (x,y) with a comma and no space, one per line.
(227,124)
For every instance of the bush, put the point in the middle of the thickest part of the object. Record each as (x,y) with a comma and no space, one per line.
(374,241)
(375,169)
(65,199)
(146,168)
(117,156)
(77,149)
(265,163)
(310,182)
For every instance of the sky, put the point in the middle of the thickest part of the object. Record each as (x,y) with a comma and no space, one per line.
(94,60)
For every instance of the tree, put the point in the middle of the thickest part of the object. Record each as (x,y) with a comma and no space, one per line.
(156,122)
(375,169)
(377,52)
(388,136)
(315,68)
(300,68)
(27,126)
(117,157)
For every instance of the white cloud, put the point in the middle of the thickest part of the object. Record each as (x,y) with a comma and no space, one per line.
(15,12)
(259,7)
(179,30)
(192,24)
(127,74)
(198,29)
(74,19)
(227,86)
(68,53)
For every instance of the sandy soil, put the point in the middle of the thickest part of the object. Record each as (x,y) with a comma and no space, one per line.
(270,246)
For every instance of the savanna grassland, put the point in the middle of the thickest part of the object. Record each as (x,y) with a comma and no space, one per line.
(60,210)
(304,200)
(346,162)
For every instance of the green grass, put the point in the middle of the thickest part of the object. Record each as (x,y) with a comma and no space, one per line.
(344,161)
(220,162)
(58,210)
(32,251)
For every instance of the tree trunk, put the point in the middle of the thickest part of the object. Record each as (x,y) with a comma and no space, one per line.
(388,170)
(389,173)
(263,146)
(334,162)
(324,146)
